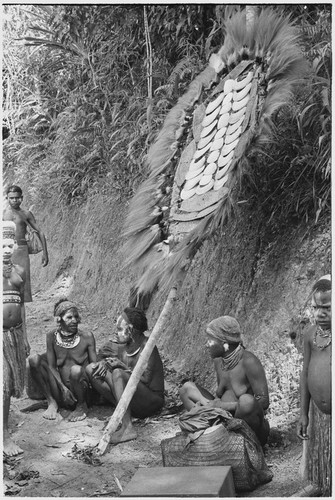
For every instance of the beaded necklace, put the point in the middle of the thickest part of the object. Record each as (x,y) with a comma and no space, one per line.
(229,362)
(322,334)
(68,344)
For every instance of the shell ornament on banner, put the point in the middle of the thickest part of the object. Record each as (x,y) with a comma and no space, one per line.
(202,149)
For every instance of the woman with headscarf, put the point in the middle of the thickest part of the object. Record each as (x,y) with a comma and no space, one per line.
(110,375)
(242,388)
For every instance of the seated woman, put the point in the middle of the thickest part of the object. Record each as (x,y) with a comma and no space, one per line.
(110,375)
(242,387)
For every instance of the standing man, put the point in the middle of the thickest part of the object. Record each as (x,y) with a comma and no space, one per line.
(315,381)
(60,372)
(110,375)
(22,218)
(14,341)
(242,387)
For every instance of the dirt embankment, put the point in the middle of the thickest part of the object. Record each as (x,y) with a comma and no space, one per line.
(263,279)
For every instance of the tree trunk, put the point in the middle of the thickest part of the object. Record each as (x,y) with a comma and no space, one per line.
(318,450)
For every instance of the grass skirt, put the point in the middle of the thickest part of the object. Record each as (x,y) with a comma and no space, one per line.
(14,361)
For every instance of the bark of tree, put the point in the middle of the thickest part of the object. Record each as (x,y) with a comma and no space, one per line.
(318,451)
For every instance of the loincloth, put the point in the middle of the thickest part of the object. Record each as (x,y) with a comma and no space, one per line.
(14,361)
(21,257)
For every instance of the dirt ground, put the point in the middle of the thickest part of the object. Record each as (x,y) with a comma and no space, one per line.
(50,465)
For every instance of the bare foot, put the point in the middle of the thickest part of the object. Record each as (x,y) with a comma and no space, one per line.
(79,413)
(10,448)
(123,435)
(51,412)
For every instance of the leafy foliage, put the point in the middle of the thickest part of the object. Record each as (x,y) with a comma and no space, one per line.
(282,364)
(292,180)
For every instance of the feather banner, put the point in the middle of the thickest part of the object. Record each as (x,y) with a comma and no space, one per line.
(202,149)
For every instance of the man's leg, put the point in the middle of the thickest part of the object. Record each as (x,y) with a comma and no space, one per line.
(9,447)
(42,376)
(190,394)
(249,410)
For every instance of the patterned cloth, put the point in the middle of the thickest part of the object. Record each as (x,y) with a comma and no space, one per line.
(21,257)
(14,361)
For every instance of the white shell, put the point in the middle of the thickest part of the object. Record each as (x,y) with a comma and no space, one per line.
(207,130)
(233,126)
(235,117)
(222,171)
(223,122)
(219,183)
(203,189)
(211,117)
(205,140)
(200,152)
(240,104)
(214,104)
(242,83)
(217,144)
(191,174)
(232,137)
(205,179)
(225,108)
(210,169)
(228,98)
(186,194)
(237,96)
(220,133)
(196,165)
(189,184)
(227,148)
(229,86)
(213,156)
(223,160)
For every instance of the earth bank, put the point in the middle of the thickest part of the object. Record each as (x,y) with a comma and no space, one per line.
(260,276)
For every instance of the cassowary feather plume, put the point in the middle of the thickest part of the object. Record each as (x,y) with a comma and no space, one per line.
(202,149)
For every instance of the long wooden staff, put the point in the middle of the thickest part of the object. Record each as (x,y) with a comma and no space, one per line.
(136,375)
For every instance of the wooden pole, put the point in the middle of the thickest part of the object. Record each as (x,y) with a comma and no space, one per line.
(136,375)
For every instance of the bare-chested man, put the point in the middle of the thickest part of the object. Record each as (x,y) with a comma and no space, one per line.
(60,373)
(15,342)
(315,382)
(242,387)
(22,218)
(110,375)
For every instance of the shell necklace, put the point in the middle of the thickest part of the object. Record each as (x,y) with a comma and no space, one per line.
(322,334)
(68,344)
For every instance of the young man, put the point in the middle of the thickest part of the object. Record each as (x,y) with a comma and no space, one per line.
(242,387)
(22,218)
(110,375)
(315,381)
(15,342)
(60,373)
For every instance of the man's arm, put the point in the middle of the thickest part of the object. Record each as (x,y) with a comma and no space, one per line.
(32,222)
(304,392)
(256,375)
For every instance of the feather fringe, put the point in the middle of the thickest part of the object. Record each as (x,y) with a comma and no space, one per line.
(273,41)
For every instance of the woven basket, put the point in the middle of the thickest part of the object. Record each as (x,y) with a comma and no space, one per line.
(219,446)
